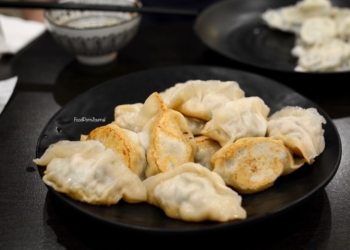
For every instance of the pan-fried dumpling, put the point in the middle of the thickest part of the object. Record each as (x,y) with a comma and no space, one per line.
(300,130)
(206,147)
(165,135)
(191,192)
(125,116)
(83,137)
(246,117)
(88,172)
(196,98)
(125,143)
(250,165)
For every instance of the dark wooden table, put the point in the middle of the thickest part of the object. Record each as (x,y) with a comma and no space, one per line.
(33,218)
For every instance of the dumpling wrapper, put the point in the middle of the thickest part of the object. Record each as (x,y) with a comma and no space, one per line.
(196,125)
(88,172)
(322,33)
(332,55)
(165,135)
(300,130)
(125,143)
(317,30)
(246,117)
(342,19)
(191,192)
(206,147)
(196,98)
(125,116)
(251,165)
(290,18)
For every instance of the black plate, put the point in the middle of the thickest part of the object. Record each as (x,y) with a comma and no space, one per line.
(235,29)
(99,102)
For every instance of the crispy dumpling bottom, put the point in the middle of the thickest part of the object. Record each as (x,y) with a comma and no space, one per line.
(250,165)
(124,143)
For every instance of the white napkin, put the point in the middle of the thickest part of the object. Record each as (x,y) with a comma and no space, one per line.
(6,90)
(16,33)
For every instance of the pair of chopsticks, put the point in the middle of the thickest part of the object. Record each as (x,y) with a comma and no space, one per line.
(100,7)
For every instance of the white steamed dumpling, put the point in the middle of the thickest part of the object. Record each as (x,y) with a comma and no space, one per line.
(125,116)
(88,172)
(196,98)
(300,129)
(245,117)
(191,192)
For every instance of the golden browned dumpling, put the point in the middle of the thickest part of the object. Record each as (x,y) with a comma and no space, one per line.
(253,164)
(124,143)
(165,135)
(83,137)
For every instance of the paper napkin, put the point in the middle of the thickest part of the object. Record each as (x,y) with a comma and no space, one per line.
(16,33)
(6,90)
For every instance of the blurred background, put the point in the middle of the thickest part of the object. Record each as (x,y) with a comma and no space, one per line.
(147,19)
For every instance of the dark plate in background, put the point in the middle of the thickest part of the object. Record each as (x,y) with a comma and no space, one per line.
(235,29)
(100,101)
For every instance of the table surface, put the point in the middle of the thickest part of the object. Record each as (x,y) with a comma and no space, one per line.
(31,217)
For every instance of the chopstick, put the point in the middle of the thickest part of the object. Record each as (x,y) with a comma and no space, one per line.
(101,7)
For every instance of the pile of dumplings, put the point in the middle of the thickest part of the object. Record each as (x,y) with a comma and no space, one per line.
(322,34)
(191,150)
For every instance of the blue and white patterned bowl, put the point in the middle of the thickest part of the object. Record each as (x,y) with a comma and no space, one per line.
(95,37)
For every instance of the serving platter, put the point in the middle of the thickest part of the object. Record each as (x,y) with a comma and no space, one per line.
(96,106)
(234,29)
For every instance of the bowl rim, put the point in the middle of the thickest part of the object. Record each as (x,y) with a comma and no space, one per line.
(133,17)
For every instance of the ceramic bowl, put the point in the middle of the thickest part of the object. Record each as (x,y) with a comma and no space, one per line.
(95,37)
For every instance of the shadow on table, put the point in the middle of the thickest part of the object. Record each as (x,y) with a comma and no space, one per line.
(77,78)
(328,90)
(308,84)
(74,230)
(5,67)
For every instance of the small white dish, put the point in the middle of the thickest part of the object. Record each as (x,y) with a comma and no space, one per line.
(95,37)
